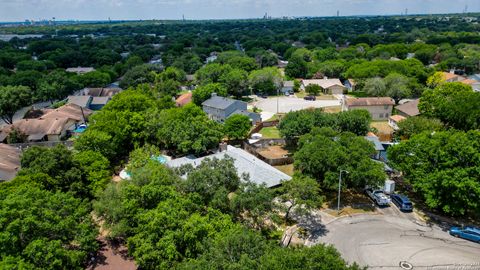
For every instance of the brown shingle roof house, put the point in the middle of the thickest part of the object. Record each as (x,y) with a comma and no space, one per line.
(380,108)
(408,109)
(184,99)
(52,126)
(9,162)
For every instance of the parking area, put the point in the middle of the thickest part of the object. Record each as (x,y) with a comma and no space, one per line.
(389,237)
(291,103)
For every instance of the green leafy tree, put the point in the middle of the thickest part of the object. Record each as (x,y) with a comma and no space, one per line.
(323,152)
(212,180)
(318,257)
(442,167)
(313,89)
(252,204)
(184,130)
(416,125)
(56,232)
(296,124)
(301,194)
(296,67)
(94,79)
(204,92)
(13,98)
(455,104)
(237,126)
(211,73)
(138,75)
(267,80)
(236,82)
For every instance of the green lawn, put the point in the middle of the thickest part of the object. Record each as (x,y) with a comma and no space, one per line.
(270,132)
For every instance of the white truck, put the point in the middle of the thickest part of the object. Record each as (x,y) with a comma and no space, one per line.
(378,196)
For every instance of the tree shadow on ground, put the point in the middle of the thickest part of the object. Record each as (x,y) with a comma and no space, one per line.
(311,222)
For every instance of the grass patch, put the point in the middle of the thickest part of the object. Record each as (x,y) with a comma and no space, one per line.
(301,94)
(276,117)
(351,202)
(270,133)
(332,109)
(358,94)
(287,169)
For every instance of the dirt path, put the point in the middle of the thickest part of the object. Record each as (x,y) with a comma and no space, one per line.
(111,256)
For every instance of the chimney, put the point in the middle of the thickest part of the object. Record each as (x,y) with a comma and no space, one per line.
(214,94)
(222,147)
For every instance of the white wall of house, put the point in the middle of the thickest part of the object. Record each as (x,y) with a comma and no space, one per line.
(379,112)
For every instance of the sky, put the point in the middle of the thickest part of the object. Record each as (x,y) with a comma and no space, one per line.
(19,10)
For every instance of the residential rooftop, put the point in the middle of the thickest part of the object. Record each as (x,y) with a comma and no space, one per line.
(9,162)
(370,101)
(409,108)
(245,163)
(219,102)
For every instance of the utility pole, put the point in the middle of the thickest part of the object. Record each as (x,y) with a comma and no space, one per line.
(278,97)
(339,189)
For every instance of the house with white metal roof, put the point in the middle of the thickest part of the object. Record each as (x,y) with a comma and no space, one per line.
(245,163)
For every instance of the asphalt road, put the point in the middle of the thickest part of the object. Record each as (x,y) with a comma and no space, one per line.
(291,103)
(383,240)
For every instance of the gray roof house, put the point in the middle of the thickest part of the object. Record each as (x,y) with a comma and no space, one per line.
(377,144)
(259,171)
(220,108)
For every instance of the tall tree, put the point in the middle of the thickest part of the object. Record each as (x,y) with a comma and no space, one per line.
(443,168)
(13,98)
(237,126)
(300,194)
(323,152)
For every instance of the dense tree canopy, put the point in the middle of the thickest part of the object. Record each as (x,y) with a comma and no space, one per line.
(298,123)
(13,98)
(44,229)
(185,130)
(455,104)
(237,126)
(416,125)
(323,152)
(443,168)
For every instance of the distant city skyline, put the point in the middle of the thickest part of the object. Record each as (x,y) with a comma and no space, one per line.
(20,10)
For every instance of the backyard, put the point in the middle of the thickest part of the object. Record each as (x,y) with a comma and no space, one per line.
(270,133)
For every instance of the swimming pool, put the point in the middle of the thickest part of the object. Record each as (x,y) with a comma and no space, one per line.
(161,159)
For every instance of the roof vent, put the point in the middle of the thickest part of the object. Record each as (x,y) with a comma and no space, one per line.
(214,94)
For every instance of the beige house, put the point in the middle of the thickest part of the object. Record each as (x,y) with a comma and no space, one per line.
(380,108)
(9,162)
(409,108)
(394,120)
(329,86)
(53,125)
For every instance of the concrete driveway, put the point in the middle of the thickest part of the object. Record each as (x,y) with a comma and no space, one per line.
(291,103)
(384,239)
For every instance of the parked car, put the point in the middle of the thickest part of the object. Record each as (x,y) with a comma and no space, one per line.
(402,201)
(262,95)
(378,196)
(312,98)
(470,233)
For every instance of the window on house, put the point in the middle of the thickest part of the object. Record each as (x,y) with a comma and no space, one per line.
(381,115)
(385,107)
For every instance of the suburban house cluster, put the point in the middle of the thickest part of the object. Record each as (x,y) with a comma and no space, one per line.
(473,81)
(93,98)
(52,125)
